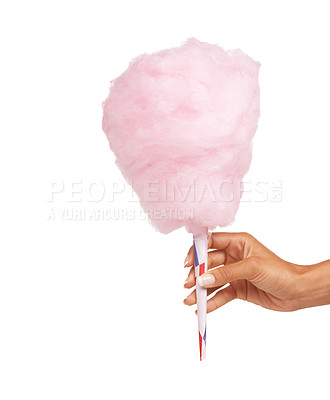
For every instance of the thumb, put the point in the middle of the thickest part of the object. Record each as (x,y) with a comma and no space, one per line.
(244,269)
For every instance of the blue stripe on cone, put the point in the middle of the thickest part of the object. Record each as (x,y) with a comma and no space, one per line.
(195,255)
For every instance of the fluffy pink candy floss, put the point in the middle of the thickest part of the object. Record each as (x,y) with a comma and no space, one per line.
(181,123)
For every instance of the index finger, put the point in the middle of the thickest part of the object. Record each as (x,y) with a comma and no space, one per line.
(224,240)
(229,241)
(236,244)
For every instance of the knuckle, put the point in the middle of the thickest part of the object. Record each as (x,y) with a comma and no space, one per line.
(210,240)
(210,258)
(226,297)
(233,292)
(247,236)
(212,305)
(223,275)
(215,258)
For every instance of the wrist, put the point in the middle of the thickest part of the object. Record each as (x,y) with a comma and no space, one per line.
(314,285)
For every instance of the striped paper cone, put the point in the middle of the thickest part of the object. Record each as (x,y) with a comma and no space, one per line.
(200,261)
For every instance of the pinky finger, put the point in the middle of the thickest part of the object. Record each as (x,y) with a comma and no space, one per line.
(221,298)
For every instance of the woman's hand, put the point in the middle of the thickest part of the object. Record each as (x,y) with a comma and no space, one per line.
(257,275)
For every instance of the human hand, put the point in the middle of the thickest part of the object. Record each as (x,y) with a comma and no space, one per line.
(257,275)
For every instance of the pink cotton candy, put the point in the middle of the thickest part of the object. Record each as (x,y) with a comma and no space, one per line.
(181,123)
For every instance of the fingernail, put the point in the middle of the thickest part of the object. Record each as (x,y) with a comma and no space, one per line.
(186,261)
(186,281)
(206,280)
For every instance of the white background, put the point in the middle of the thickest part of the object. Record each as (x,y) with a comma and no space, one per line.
(92,309)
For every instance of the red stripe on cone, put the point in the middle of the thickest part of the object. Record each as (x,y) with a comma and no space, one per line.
(201,269)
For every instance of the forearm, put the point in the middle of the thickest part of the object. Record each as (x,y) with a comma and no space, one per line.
(315,285)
